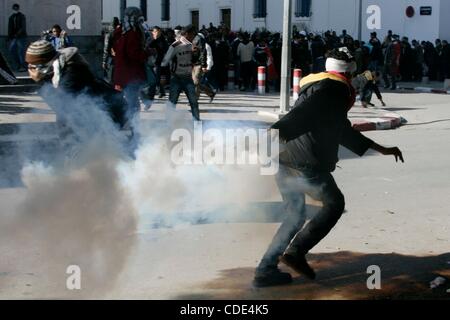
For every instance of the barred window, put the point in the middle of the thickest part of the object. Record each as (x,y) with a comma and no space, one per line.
(165,10)
(303,8)
(143,6)
(260,9)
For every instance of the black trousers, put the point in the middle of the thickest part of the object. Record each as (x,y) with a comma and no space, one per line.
(389,77)
(293,236)
(247,74)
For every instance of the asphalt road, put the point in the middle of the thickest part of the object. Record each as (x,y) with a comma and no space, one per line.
(397,218)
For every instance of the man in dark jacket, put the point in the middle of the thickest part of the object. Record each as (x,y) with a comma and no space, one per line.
(66,77)
(17,35)
(159,43)
(200,63)
(318,54)
(301,55)
(108,58)
(392,63)
(376,55)
(445,60)
(313,131)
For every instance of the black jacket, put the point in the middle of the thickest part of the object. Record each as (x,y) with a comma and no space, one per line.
(318,124)
(161,46)
(77,78)
(17,26)
(199,55)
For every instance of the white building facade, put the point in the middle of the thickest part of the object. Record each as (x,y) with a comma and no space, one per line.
(416,19)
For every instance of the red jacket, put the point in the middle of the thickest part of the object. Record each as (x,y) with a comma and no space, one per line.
(130,58)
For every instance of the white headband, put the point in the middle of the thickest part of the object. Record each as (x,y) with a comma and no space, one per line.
(340,66)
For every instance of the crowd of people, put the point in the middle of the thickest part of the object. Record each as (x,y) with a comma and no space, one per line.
(142,62)
(394,57)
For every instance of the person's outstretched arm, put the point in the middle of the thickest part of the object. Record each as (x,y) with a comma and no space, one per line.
(359,144)
(394,151)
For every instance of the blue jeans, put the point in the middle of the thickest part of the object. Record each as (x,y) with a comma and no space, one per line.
(131,94)
(17,48)
(366,95)
(185,84)
(157,69)
(209,80)
(153,82)
(291,235)
(150,90)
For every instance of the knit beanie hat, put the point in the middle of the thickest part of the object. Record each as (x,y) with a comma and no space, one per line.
(40,52)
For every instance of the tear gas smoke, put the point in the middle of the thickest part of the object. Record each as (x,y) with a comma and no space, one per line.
(85,211)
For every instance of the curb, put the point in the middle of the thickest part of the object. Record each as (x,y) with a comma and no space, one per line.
(388,121)
(425,90)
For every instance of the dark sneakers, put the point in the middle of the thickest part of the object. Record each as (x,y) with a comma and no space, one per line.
(211,98)
(271,276)
(299,265)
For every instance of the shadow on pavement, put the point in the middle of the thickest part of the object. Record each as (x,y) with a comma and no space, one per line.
(225,110)
(402,109)
(340,275)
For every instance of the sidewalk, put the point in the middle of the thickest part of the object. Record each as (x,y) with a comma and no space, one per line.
(429,87)
(363,119)
(371,119)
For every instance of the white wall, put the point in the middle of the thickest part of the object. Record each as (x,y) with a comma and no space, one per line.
(444,32)
(111,9)
(327,14)
(393,17)
(180,13)
(336,15)
(43,14)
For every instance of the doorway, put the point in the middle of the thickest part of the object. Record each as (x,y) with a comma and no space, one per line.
(226,17)
(195,19)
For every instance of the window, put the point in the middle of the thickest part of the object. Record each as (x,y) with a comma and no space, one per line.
(144,8)
(165,10)
(260,9)
(142,4)
(303,8)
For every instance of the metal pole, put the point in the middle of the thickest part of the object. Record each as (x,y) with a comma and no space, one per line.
(360,21)
(286,58)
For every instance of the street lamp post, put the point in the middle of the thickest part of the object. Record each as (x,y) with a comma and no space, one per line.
(286,58)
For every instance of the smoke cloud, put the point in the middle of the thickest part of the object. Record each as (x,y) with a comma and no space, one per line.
(86,207)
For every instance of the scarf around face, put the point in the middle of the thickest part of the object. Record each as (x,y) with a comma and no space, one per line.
(133,20)
(335,76)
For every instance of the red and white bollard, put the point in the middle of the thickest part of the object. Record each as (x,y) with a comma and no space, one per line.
(297,79)
(261,80)
(231,77)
